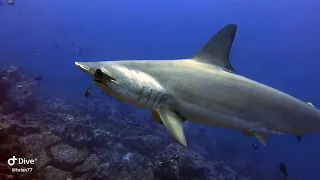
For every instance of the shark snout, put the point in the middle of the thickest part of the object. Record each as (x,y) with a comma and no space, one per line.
(82,67)
(85,67)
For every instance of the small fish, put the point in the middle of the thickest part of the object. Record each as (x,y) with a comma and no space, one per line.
(37,52)
(88,91)
(299,138)
(11,2)
(283,169)
(38,78)
(80,51)
(255,146)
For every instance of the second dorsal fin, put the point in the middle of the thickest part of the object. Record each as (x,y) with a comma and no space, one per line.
(217,50)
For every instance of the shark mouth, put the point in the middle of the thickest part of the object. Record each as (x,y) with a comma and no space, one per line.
(100,76)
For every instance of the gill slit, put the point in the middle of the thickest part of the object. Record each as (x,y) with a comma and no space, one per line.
(164,100)
(149,96)
(161,100)
(155,99)
(141,93)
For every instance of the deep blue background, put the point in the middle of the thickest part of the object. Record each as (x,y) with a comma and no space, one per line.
(277,43)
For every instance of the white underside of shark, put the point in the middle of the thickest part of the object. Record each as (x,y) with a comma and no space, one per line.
(204,89)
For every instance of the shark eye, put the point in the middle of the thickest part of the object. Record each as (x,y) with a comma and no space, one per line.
(98,73)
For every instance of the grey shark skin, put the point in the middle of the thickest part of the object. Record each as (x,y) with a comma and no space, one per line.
(204,89)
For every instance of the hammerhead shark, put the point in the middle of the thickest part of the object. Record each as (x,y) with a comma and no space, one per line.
(205,89)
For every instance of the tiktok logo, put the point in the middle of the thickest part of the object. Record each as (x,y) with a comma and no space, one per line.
(12,161)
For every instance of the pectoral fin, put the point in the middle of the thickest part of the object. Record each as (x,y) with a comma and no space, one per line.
(156,117)
(174,124)
(262,137)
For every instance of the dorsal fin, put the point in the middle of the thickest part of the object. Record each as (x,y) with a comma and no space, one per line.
(217,50)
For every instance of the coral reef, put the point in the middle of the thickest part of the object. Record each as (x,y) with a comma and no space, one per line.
(17,92)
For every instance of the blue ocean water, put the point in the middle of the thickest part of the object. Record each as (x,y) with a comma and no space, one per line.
(277,43)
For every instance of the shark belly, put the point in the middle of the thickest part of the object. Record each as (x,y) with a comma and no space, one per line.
(214,113)
(213,117)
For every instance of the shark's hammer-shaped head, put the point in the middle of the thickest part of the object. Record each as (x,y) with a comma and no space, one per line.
(114,79)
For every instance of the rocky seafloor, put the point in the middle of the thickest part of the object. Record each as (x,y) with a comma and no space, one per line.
(93,140)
